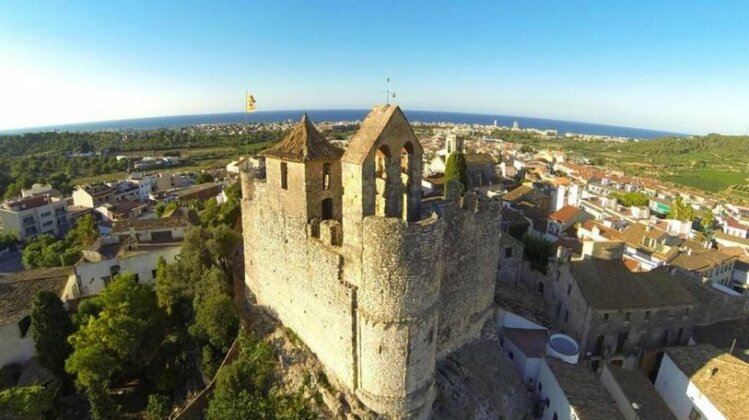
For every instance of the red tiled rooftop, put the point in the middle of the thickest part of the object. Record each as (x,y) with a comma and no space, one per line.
(565,214)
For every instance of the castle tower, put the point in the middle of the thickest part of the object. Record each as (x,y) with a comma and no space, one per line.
(395,263)
(304,173)
(381,171)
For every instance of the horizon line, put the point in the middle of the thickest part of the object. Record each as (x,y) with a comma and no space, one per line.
(62,126)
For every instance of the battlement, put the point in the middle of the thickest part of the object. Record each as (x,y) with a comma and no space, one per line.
(329,232)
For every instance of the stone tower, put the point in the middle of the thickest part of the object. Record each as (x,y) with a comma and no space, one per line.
(453,143)
(342,250)
(304,171)
(397,296)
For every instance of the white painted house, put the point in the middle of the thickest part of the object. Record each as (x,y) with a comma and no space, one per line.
(703,382)
(17,292)
(634,394)
(135,246)
(566,391)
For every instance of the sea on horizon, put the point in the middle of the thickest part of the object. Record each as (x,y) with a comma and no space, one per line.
(178,121)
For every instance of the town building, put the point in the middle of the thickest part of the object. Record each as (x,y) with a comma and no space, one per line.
(649,246)
(568,391)
(35,215)
(564,218)
(381,286)
(200,192)
(39,189)
(706,266)
(481,169)
(615,314)
(93,195)
(166,181)
(135,246)
(635,395)
(17,292)
(703,382)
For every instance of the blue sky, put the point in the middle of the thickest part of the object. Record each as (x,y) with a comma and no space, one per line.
(680,66)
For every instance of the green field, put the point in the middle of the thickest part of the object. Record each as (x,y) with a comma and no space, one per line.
(708,180)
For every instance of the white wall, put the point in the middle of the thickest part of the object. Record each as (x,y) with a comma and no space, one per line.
(510,320)
(550,389)
(624,404)
(91,275)
(526,367)
(680,394)
(13,348)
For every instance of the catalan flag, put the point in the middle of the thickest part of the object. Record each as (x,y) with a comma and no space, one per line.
(250,103)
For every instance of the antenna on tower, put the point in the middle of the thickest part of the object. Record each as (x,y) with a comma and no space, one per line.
(388,92)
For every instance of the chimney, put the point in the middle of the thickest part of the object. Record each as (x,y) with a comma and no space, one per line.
(711,372)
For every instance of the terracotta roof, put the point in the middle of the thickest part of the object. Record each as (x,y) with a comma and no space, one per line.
(736,225)
(634,234)
(632,265)
(722,378)
(479,158)
(210,187)
(726,335)
(588,399)
(639,390)
(565,214)
(513,217)
(719,234)
(517,193)
(610,285)
(603,230)
(522,301)
(304,144)
(701,262)
(177,219)
(17,290)
(532,342)
(371,129)
(560,180)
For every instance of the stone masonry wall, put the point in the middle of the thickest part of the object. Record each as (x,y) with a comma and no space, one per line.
(398,303)
(298,279)
(470,256)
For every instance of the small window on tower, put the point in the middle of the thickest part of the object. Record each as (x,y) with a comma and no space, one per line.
(284,175)
(326,176)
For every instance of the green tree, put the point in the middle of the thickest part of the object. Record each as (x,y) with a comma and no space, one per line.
(681,210)
(707,221)
(37,252)
(13,190)
(123,337)
(223,244)
(158,407)
(245,388)
(456,169)
(216,321)
(203,177)
(632,199)
(25,402)
(61,182)
(50,327)
(7,239)
(537,251)
(85,232)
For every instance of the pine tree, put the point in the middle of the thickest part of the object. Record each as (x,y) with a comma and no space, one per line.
(50,327)
(456,169)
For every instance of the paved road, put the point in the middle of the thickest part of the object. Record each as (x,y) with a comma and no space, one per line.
(11,262)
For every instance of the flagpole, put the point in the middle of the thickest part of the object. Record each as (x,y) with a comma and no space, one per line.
(247,131)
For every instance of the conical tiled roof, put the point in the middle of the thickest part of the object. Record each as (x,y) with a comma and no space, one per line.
(304,144)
